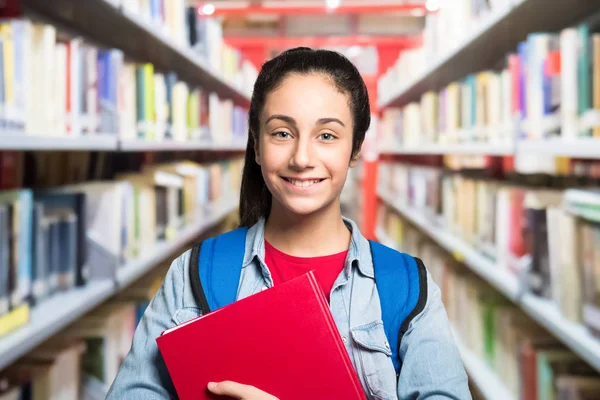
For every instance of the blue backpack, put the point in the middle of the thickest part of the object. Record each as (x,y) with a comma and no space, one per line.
(401,282)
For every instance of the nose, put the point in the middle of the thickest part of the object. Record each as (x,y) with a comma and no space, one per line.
(303,155)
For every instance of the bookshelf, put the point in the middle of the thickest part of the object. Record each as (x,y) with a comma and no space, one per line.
(88,143)
(581,148)
(573,335)
(486,380)
(134,270)
(498,34)
(467,148)
(117,27)
(107,143)
(172,145)
(481,374)
(60,310)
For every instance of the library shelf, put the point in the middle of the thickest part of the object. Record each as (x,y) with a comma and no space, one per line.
(131,271)
(49,143)
(465,148)
(573,335)
(175,145)
(460,250)
(488,42)
(577,148)
(117,27)
(488,382)
(51,316)
(60,310)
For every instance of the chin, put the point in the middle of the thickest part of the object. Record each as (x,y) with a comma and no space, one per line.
(306,207)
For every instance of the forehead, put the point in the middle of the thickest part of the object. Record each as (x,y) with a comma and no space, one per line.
(308,98)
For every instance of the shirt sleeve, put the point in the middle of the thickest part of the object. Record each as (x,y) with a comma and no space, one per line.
(431,365)
(143,373)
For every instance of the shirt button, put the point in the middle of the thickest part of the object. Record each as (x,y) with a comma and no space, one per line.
(344,339)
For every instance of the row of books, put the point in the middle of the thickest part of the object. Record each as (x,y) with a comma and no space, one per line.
(52,240)
(82,361)
(529,231)
(530,362)
(55,85)
(202,34)
(444,31)
(158,107)
(549,88)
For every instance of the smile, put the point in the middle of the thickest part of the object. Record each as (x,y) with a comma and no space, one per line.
(303,183)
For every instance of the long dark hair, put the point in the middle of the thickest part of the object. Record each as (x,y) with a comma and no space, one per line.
(255,198)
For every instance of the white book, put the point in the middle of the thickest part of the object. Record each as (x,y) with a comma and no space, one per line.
(60,89)
(160,105)
(41,114)
(127,102)
(569,83)
(506,135)
(73,115)
(92,90)
(180,95)
(21,34)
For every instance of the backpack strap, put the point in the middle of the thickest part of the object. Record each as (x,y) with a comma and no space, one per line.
(215,276)
(402,285)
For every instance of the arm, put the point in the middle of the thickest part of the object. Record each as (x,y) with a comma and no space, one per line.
(431,364)
(143,374)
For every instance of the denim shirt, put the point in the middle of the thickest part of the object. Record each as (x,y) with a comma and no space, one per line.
(431,364)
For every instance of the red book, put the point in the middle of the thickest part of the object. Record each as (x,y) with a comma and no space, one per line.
(282,340)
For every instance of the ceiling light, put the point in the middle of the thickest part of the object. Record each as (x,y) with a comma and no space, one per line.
(333,3)
(208,9)
(432,5)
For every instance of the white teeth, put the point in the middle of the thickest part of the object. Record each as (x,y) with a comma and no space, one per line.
(303,183)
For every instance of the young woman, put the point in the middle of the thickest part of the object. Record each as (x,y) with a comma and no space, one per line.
(307,121)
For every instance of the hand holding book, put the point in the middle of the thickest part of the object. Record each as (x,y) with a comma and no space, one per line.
(239,391)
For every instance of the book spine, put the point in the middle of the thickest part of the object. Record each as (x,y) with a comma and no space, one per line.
(4,256)
(140,101)
(596,78)
(583,74)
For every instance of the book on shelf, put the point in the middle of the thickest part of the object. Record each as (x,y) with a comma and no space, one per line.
(545,240)
(527,359)
(56,84)
(52,370)
(55,239)
(543,91)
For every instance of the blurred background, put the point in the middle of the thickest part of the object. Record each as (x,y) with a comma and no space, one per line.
(122,134)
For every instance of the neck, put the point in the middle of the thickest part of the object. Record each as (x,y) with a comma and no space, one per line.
(318,234)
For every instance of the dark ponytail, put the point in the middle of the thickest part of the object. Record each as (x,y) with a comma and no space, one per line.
(255,198)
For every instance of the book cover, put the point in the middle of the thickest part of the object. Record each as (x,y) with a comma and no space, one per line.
(41,242)
(140,96)
(73,200)
(596,77)
(20,29)
(5,229)
(330,375)
(21,204)
(584,84)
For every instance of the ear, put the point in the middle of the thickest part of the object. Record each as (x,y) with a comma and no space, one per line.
(354,159)
(256,150)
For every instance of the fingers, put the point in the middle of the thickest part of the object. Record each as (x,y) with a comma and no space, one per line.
(239,391)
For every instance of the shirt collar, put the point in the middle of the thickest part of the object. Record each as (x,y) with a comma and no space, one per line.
(359,252)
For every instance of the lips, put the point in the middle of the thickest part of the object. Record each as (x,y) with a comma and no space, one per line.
(303,183)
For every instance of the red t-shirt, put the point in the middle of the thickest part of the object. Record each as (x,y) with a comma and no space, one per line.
(284,267)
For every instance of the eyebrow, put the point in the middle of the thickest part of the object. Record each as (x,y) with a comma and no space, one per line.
(292,121)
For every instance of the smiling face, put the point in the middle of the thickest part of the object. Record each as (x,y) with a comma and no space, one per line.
(305,144)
